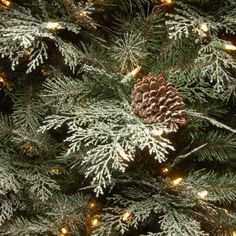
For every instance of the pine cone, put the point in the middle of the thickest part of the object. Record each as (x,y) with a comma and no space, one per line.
(156,100)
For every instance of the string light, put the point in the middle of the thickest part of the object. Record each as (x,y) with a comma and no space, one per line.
(121,153)
(202,194)
(226,211)
(4,82)
(234,233)
(83,13)
(126,216)
(64,230)
(6,3)
(157,132)
(131,75)
(229,47)
(53,25)
(2,78)
(95,222)
(177,181)
(29,147)
(166,1)
(165,170)
(92,205)
(204,27)
(55,170)
(135,71)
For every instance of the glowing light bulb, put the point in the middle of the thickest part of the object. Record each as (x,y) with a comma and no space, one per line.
(64,230)
(204,27)
(202,194)
(29,147)
(157,132)
(229,47)
(82,13)
(6,3)
(53,25)
(126,216)
(166,1)
(135,71)
(234,233)
(92,205)
(55,171)
(121,153)
(177,181)
(2,80)
(165,170)
(94,222)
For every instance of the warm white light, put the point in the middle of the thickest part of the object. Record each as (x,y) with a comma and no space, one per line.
(55,171)
(177,181)
(126,216)
(6,3)
(53,25)
(95,222)
(203,27)
(157,132)
(82,13)
(121,153)
(165,170)
(64,230)
(229,47)
(166,1)
(202,194)
(92,205)
(135,71)
(234,233)
(2,79)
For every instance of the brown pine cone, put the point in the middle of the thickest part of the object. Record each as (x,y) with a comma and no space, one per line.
(156,100)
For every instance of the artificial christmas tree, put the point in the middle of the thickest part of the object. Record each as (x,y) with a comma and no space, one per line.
(117,117)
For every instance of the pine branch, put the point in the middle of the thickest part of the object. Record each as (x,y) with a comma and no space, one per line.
(22,31)
(28,109)
(5,126)
(22,226)
(111,135)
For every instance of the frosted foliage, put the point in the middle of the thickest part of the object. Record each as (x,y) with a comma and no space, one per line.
(8,181)
(183,23)
(215,65)
(175,223)
(111,135)
(22,33)
(42,187)
(6,211)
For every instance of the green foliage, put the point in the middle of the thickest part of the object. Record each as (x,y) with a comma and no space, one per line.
(211,121)
(217,64)
(220,146)
(71,210)
(5,126)
(22,31)
(175,223)
(111,134)
(192,86)
(23,226)
(75,130)
(28,109)
(129,51)
(145,198)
